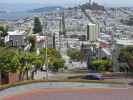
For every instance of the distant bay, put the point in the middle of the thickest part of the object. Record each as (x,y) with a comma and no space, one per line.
(16,15)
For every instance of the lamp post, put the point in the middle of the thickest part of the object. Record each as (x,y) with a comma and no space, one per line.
(46,43)
(46,58)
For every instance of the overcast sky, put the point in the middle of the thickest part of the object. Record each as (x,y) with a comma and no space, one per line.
(72,2)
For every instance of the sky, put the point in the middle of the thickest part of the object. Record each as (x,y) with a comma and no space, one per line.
(72,2)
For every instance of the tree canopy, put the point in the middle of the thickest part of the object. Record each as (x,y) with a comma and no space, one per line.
(126,55)
(75,54)
(101,65)
(9,60)
(3,31)
(37,26)
(13,60)
(54,58)
(32,41)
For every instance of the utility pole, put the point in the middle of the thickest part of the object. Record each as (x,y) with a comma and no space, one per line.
(46,43)
(46,58)
(115,54)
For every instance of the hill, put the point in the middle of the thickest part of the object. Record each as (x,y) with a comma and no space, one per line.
(46,9)
(2,11)
(93,6)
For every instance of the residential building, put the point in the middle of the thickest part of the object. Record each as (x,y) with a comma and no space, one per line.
(92,32)
(16,38)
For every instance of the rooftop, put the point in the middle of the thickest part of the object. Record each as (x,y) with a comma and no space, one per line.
(16,32)
(125,42)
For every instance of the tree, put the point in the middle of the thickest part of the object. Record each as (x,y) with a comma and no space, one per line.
(126,56)
(30,61)
(54,57)
(58,63)
(25,59)
(75,54)
(3,33)
(9,61)
(37,26)
(32,41)
(14,60)
(101,65)
(37,62)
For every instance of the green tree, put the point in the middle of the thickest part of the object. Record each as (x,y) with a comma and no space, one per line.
(58,63)
(75,54)
(37,26)
(37,62)
(13,60)
(25,59)
(3,33)
(126,55)
(101,65)
(32,41)
(9,61)
(54,57)
(29,61)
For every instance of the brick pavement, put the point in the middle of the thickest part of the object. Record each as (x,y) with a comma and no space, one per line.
(74,94)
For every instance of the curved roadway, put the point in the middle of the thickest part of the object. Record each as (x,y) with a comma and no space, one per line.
(39,91)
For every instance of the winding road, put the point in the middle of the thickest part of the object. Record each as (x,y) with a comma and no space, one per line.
(40,91)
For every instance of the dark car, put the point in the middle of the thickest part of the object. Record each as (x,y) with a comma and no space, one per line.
(93,76)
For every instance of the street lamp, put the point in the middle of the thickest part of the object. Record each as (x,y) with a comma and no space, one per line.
(46,42)
(46,58)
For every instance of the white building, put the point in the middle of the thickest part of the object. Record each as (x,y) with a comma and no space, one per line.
(92,32)
(16,38)
(104,38)
(124,42)
(73,43)
(40,42)
(57,40)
